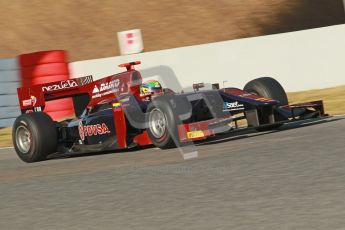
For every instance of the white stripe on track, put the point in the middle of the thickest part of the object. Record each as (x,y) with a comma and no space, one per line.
(6,148)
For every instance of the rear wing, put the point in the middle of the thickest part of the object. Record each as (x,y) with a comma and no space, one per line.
(33,98)
(84,91)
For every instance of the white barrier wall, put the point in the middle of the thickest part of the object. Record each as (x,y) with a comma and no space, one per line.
(9,82)
(300,60)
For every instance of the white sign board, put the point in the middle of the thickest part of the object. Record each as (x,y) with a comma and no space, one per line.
(130,41)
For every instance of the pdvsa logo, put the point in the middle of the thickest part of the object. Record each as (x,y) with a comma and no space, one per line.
(92,130)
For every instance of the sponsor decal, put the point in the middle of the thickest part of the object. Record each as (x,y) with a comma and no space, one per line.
(95,89)
(30,102)
(231,106)
(85,80)
(113,84)
(195,134)
(106,88)
(33,100)
(92,130)
(246,95)
(27,102)
(38,109)
(62,85)
(262,99)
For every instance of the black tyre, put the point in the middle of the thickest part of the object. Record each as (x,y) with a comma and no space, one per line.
(34,137)
(163,116)
(267,87)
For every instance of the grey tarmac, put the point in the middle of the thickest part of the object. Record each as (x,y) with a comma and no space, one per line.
(293,178)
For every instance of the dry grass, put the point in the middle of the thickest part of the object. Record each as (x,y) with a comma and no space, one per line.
(87,29)
(5,137)
(334,99)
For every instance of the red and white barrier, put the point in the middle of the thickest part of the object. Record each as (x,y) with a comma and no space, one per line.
(43,67)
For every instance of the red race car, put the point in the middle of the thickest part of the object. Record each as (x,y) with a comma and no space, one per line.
(121,111)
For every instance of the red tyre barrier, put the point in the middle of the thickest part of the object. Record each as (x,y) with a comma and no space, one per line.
(43,57)
(44,67)
(45,70)
(43,80)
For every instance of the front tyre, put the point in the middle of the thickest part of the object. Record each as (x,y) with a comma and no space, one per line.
(267,87)
(162,121)
(34,137)
(270,88)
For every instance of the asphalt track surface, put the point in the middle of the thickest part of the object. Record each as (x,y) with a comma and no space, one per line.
(290,179)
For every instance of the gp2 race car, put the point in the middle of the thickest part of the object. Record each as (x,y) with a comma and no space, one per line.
(118,112)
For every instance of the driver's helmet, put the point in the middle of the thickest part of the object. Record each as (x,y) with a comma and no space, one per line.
(150,89)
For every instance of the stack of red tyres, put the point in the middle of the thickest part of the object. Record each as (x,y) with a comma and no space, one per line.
(44,67)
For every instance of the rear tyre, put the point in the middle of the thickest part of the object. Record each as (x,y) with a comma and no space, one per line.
(267,87)
(270,88)
(34,137)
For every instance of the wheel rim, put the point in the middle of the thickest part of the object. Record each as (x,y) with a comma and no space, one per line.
(157,123)
(23,139)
